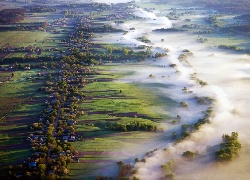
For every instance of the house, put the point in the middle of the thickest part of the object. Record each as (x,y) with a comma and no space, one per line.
(27,68)
(54,156)
(51,172)
(66,131)
(75,160)
(32,164)
(63,153)
(72,138)
(71,122)
(35,137)
(65,137)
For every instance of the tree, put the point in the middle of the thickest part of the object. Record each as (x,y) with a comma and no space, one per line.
(120,163)
(188,154)
(42,168)
(229,148)
(49,76)
(43,149)
(52,177)
(110,50)
(125,52)
(57,149)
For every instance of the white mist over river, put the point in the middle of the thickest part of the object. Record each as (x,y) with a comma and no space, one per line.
(228,78)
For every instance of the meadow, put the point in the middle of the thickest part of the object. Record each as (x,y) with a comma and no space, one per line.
(20,106)
(23,38)
(108,102)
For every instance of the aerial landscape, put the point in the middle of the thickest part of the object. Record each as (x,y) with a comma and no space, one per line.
(135,90)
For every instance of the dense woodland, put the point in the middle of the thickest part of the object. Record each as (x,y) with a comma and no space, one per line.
(10,16)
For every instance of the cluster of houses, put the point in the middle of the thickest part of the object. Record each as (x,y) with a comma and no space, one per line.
(12,49)
(56,127)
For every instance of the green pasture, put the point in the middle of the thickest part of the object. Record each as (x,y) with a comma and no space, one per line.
(8,156)
(19,85)
(22,38)
(120,98)
(14,128)
(43,39)
(133,98)
(18,54)
(86,171)
(4,75)
(107,141)
(109,148)
(42,17)
(238,41)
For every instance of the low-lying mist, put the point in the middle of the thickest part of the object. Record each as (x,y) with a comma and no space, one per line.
(226,76)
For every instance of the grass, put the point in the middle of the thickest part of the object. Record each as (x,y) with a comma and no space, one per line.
(136,99)
(4,141)
(103,143)
(32,38)
(22,38)
(106,150)
(19,112)
(240,42)
(19,54)
(112,141)
(3,76)
(4,136)
(8,156)
(87,128)
(99,144)
(96,133)
(86,171)
(12,93)
(19,86)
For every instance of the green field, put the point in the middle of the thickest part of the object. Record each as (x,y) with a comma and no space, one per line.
(20,105)
(240,42)
(45,40)
(23,38)
(133,98)
(107,150)
(101,146)
(8,156)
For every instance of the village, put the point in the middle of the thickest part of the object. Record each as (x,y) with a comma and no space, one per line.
(71,70)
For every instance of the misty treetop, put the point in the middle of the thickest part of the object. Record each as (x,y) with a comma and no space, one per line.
(229,148)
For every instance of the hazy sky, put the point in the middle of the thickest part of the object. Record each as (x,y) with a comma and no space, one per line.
(111,1)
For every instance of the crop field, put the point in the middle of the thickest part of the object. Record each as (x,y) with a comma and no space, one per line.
(109,101)
(110,92)
(4,76)
(23,38)
(42,17)
(19,106)
(117,98)
(15,129)
(18,87)
(106,150)
(238,41)
(8,155)
(18,54)
(31,38)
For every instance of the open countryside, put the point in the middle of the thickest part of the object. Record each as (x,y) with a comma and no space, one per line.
(145,89)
